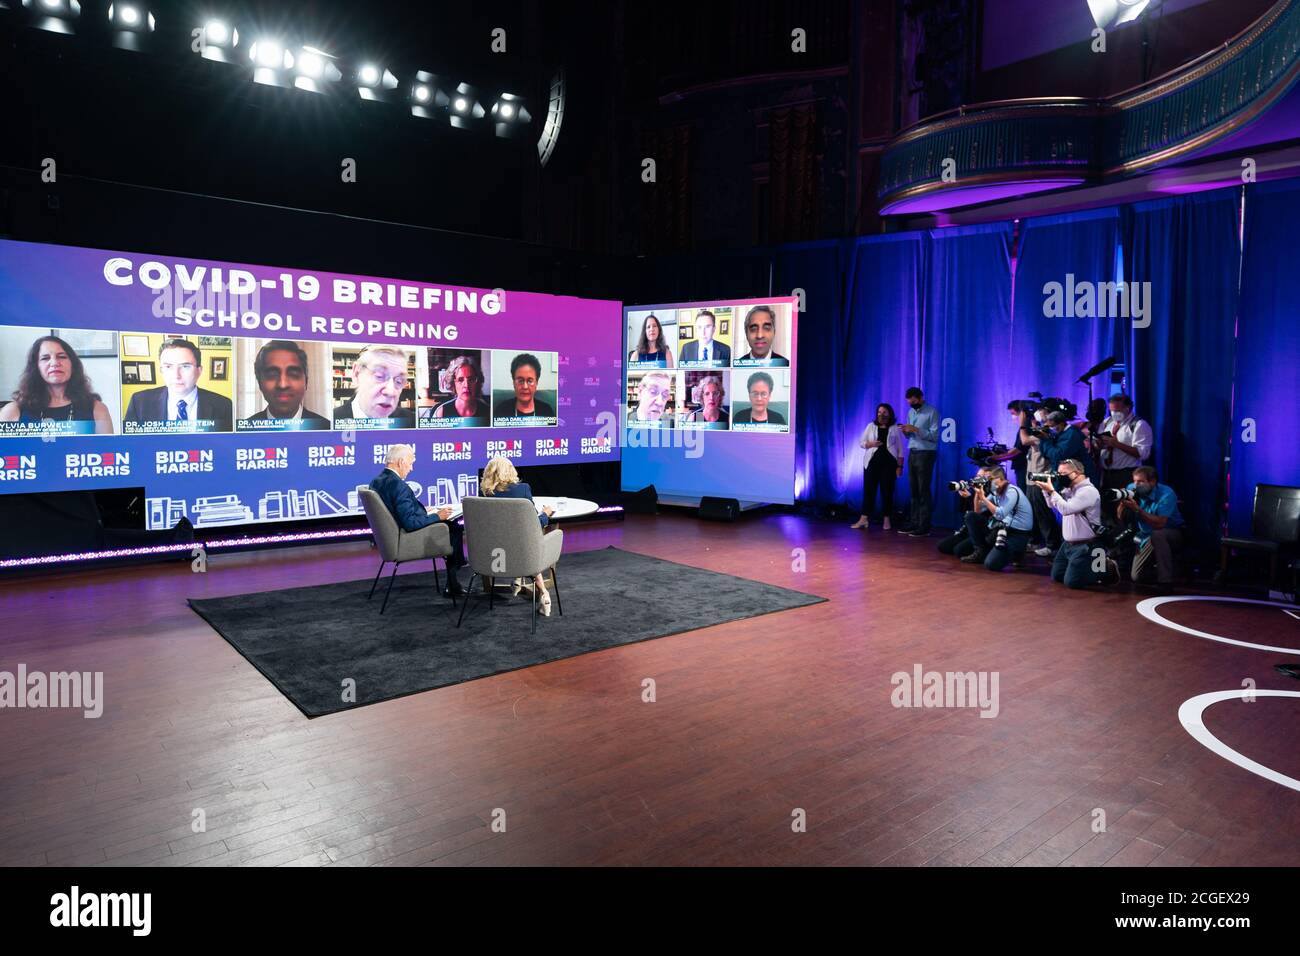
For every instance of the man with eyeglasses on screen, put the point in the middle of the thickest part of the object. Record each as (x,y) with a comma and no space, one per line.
(179,401)
(653,392)
(380,375)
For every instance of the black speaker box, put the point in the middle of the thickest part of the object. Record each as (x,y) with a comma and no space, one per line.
(719,509)
(643,502)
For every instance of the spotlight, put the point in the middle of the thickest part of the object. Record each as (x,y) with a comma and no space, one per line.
(53,15)
(510,116)
(465,106)
(130,24)
(374,82)
(1116,13)
(316,70)
(271,61)
(427,100)
(217,41)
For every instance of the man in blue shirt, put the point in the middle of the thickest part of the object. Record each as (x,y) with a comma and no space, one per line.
(1160,526)
(922,431)
(1009,506)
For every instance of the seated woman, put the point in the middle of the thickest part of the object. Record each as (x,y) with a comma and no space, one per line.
(500,480)
(54,388)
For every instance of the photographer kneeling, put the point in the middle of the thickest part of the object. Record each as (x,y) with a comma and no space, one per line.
(1079,503)
(1010,524)
(959,543)
(1154,509)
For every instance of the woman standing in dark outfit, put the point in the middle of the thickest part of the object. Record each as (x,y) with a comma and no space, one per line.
(882,463)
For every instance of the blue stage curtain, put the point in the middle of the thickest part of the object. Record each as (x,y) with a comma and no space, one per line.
(1046,353)
(1187,248)
(1265,449)
(880,354)
(818,269)
(962,362)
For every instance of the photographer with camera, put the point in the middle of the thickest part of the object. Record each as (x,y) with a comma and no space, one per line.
(1045,522)
(1060,441)
(974,526)
(1153,507)
(1079,503)
(1011,518)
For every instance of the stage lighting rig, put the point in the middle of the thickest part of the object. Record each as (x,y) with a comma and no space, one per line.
(316,70)
(510,116)
(1116,13)
(428,101)
(130,24)
(466,107)
(57,16)
(374,82)
(217,40)
(271,61)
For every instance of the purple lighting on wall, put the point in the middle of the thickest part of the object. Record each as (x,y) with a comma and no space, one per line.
(959,196)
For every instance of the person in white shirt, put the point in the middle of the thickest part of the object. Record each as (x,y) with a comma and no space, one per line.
(1081,560)
(882,464)
(1125,442)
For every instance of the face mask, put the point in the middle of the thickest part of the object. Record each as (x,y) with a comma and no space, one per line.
(1119,417)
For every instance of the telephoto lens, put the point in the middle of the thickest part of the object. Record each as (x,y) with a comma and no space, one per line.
(1121,494)
(1041,476)
(959,486)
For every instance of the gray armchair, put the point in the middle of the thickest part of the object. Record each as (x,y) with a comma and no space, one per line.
(505,540)
(395,545)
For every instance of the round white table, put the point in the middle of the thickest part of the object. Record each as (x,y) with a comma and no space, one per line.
(566,507)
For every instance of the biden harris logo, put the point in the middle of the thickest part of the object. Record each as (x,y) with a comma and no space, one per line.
(551,447)
(98,464)
(598,445)
(513,448)
(452,450)
(261,459)
(192,461)
(17,467)
(330,456)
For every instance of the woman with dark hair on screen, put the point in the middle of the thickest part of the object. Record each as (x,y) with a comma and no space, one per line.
(651,347)
(500,480)
(54,387)
(882,464)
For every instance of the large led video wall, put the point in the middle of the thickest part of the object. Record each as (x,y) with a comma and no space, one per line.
(709,399)
(239,393)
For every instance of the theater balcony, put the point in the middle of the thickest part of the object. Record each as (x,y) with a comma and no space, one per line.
(1227,115)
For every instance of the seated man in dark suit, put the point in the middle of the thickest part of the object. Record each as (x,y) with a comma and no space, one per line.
(281,370)
(180,399)
(390,484)
(702,348)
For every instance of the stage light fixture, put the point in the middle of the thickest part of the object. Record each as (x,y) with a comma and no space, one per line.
(56,16)
(374,82)
(130,24)
(510,116)
(1116,13)
(218,40)
(427,100)
(465,106)
(554,118)
(271,61)
(316,70)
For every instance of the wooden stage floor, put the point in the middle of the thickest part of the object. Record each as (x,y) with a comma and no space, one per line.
(753,721)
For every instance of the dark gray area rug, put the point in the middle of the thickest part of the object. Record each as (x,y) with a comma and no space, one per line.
(309,641)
